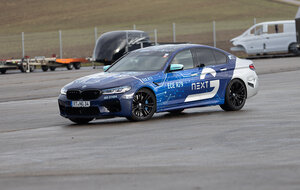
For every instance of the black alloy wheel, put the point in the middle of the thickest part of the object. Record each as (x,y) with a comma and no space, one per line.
(81,120)
(235,97)
(143,105)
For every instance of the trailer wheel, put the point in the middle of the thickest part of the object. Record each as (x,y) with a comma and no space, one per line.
(32,68)
(23,68)
(69,66)
(45,68)
(77,65)
(3,71)
(52,68)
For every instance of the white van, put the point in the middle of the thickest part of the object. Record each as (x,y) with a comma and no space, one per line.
(267,37)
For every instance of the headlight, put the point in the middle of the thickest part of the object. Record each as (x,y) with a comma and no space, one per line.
(63,91)
(117,90)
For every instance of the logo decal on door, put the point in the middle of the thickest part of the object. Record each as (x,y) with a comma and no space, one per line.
(215,84)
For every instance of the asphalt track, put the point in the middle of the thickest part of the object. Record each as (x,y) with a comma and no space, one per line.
(203,148)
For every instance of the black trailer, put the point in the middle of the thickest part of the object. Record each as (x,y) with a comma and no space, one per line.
(112,45)
(297,21)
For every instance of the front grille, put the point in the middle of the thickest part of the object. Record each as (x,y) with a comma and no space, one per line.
(84,95)
(82,111)
(74,94)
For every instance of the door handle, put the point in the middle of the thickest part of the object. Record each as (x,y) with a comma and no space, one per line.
(223,69)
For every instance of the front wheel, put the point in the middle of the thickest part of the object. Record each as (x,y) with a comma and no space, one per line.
(81,120)
(235,96)
(143,105)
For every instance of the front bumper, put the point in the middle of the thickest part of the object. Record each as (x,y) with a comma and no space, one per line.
(102,107)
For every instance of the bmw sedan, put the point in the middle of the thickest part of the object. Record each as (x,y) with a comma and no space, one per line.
(165,78)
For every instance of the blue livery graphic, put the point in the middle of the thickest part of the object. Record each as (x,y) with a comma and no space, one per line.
(158,79)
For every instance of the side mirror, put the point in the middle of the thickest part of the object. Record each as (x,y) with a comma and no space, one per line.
(201,65)
(105,68)
(176,67)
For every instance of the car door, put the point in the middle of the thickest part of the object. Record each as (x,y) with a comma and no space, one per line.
(177,85)
(214,75)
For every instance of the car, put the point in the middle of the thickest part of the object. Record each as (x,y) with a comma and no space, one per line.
(112,45)
(164,78)
(268,37)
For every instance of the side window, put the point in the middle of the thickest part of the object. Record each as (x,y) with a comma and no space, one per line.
(220,57)
(205,56)
(275,28)
(258,30)
(185,58)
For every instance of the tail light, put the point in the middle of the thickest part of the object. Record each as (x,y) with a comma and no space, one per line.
(252,67)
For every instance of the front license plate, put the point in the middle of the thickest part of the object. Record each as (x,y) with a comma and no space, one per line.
(80,104)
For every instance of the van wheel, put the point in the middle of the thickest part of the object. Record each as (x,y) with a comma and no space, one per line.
(294,49)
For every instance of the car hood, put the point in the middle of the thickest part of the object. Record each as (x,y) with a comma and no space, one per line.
(105,80)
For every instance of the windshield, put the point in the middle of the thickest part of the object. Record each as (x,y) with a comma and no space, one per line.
(141,61)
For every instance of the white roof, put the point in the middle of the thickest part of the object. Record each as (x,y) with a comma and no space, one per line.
(278,22)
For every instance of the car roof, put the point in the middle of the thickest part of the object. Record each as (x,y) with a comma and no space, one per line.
(169,47)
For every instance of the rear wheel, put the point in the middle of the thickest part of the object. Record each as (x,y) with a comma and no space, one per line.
(143,105)
(70,66)
(81,120)
(235,97)
(294,49)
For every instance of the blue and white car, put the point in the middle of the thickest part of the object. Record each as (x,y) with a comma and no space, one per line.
(165,78)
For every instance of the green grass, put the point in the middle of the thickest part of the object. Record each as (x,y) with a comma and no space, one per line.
(41,20)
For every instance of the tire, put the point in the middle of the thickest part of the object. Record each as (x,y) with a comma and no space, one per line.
(3,71)
(45,68)
(70,66)
(294,49)
(52,68)
(143,105)
(77,65)
(81,120)
(178,111)
(235,96)
(23,68)
(31,68)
